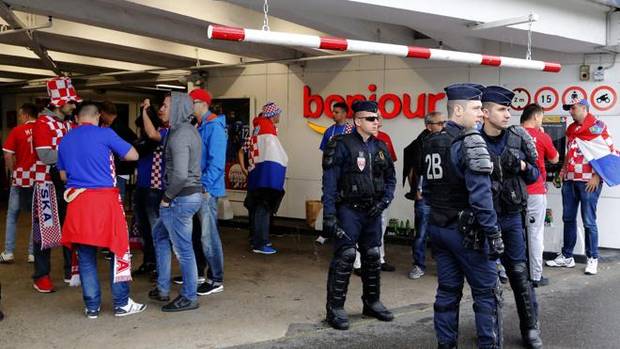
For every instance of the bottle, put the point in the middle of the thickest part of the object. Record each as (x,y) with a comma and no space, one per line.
(557,180)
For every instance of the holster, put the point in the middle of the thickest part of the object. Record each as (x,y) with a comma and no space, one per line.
(473,237)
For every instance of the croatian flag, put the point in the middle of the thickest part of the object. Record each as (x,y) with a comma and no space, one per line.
(267,157)
(598,149)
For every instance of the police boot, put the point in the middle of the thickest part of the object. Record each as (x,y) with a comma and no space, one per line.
(523,292)
(337,285)
(371,280)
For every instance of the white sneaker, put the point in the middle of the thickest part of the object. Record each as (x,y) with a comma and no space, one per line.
(130,309)
(416,272)
(592,266)
(30,258)
(561,261)
(7,258)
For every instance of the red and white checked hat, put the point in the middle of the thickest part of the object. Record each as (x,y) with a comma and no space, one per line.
(270,110)
(61,90)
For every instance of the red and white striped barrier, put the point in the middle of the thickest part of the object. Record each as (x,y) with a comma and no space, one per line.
(220,32)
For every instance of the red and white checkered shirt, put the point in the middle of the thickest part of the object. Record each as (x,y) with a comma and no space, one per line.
(577,167)
(47,133)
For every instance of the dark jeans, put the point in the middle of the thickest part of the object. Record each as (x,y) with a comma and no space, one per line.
(141,214)
(575,194)
(91,291)
(422,212)
(262,204)
(42,258)
(201,262)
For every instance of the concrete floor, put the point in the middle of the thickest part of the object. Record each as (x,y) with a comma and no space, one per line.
(266,298)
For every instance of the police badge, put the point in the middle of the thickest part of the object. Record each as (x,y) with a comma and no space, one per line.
(361,161)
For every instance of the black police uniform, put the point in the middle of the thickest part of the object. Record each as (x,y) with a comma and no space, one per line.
(358,184)
(510,200)
(458,189)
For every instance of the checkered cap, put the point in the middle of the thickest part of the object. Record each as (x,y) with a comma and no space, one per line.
(61,90)
(271,109)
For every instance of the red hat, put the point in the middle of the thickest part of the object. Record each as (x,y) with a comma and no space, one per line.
(61,91)
(201,95)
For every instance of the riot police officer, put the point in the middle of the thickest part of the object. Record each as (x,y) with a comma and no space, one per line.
(358,184)
(514,157)
(463,224)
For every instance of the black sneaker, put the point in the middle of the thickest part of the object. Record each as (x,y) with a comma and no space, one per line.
(92,314)
(208,288)
(144,269)
(156,296)
(179,280)
(387,267)
(540,283)
(180,304)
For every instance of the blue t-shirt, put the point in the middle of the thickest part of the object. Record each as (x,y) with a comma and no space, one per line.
(333,130)
(85,154)
(144,171)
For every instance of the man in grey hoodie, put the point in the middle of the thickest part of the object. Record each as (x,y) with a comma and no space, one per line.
(181,200)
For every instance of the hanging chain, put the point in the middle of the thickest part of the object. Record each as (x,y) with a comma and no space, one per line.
(528,55)
(266,18)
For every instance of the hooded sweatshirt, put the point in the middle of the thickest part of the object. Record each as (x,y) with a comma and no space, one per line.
(183,150)
(214,142)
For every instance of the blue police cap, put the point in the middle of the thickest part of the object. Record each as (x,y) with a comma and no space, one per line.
(498,94)
(464,91)
(370,106)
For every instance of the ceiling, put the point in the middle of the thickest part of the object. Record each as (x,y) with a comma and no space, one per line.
(122,43)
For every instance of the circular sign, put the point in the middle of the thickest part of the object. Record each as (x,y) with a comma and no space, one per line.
(603,98)
(573,93)
(547,97)
(521,99)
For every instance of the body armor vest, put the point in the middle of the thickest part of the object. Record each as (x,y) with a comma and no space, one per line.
(362,180)
(509,189)
(447,194)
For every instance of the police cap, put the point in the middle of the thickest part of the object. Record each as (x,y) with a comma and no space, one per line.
(464,91)
(498,94)
(370,106)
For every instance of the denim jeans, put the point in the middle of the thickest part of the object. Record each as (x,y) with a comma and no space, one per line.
(422,212)
(18,200)
(175,226)
(145,223)
(574,194)
(89,277)
(260,220)
(211,243)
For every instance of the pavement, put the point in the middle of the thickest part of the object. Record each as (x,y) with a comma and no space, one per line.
(278,301)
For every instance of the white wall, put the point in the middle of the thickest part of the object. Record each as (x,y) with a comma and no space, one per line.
(284,85)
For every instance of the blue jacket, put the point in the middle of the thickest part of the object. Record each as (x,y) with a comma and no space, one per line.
(213,164)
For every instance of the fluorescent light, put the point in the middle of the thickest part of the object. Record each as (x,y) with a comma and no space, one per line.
(173,87)
(505,22)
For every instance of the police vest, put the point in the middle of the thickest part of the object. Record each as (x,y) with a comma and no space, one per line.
(509,189)
(362,179)
(445,190)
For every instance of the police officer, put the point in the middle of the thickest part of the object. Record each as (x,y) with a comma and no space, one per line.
(358,184)
(463,224)
(514,157)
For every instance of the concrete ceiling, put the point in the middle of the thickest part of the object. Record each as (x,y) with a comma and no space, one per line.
(94,37)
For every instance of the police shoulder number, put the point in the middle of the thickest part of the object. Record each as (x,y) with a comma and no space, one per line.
(433,166)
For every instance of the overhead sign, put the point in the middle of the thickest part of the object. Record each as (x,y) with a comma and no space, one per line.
(573,93)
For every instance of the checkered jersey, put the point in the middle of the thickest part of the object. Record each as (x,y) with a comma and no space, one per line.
(157,168)
(47,134)
(577,167)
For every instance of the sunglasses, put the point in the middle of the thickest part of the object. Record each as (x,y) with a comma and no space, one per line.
(437,123)
(371,118)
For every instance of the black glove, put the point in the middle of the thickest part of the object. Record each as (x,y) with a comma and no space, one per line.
(511,163)
(330,226)
(377,208)
(496,245)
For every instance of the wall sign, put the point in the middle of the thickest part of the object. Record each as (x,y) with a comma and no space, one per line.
(521,99)
(603,98)
(547,97)
(573,93)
